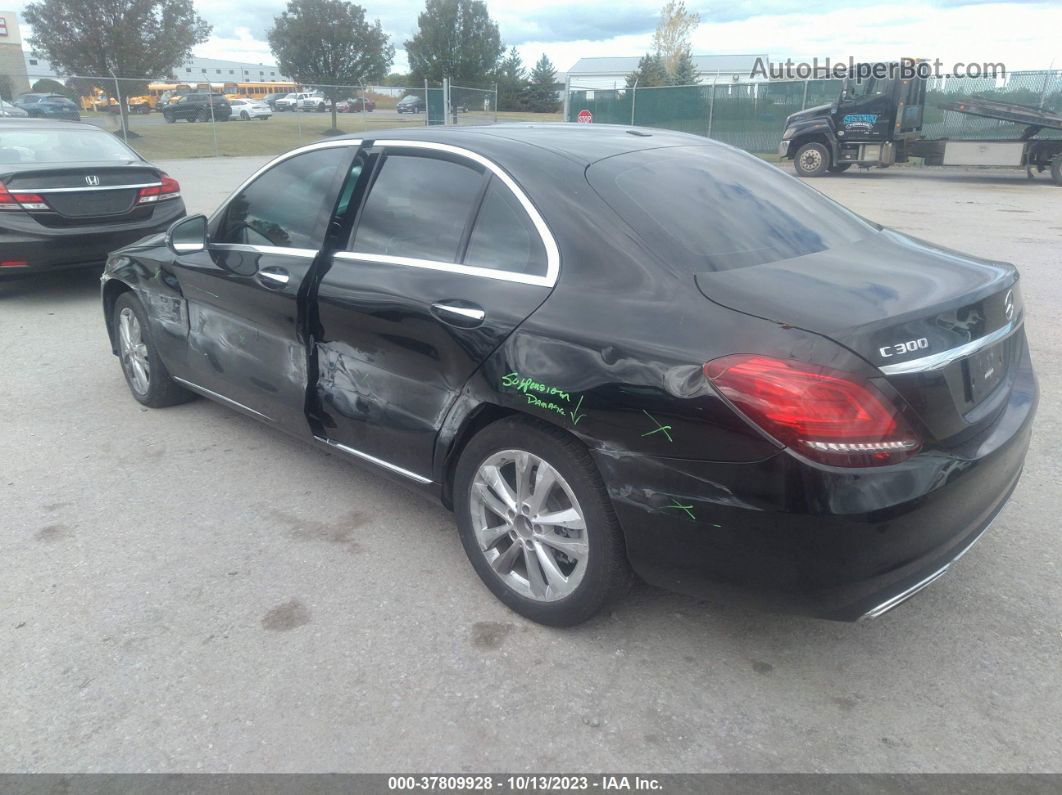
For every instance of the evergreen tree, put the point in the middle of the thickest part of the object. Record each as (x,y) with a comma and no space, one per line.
(512,82)
(685,72)
(541,92)
(650,72)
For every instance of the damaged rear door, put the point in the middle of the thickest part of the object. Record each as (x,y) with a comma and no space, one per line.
(447,256)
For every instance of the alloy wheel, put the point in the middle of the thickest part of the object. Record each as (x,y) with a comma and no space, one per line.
(134,351)
(529,525)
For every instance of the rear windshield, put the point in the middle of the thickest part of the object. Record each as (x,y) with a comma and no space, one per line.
(61,146)
(706,208)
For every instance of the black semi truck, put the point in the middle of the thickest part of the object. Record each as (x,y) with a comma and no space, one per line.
(877,121)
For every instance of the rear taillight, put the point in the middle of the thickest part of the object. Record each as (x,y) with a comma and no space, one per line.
(827,415)
(169,189)
(20,201)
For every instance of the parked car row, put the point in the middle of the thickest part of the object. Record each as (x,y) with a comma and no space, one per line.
(45,106)
(315,101)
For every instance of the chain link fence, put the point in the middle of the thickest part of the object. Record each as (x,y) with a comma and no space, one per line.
(167,120)
(473,105)
(751,115)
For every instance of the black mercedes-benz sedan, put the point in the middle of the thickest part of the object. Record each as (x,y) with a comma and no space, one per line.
(606,349)
(71,193)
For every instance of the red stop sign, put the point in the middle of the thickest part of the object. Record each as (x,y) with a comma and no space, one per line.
(585,117)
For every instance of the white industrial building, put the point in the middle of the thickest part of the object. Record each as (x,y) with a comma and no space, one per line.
(195,69)
(610,71)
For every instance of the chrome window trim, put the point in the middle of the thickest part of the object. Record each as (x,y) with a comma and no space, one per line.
(373,460)
(936,361)
(210,393)
(337,144)
(548,241)
(86,189)
(305,253)
(449,267)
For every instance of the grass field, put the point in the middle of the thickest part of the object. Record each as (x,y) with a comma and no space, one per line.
(160,141)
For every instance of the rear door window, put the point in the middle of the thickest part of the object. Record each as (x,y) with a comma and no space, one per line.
(503,237)
(709,208)
(418,208)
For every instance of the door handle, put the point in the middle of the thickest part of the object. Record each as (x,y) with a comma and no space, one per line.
(273,277)
(457,315)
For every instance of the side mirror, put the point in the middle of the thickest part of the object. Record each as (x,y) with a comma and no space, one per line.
(188,235)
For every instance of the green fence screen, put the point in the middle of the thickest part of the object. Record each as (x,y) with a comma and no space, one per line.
(752,115)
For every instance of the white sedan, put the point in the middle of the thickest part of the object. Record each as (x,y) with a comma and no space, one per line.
(248,109)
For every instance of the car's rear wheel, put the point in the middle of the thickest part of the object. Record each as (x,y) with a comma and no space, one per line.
(245,115)
(146,375)
(536,523)
(169,117)
(812,160)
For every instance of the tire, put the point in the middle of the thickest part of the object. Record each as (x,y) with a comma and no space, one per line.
(157,389)
(839,168)
(204,115)
(578,586)
(245,115)
(1056,169)
(812,160)
(170,118)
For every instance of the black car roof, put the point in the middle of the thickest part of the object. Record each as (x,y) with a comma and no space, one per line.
(582,143)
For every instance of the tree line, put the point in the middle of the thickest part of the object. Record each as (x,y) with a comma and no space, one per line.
(316,43)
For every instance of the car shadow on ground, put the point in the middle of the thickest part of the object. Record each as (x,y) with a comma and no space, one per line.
(55,288)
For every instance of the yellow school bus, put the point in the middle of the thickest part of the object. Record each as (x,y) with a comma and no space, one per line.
(259,89)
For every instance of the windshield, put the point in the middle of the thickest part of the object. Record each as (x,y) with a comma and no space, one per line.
(710,208)
(61,146)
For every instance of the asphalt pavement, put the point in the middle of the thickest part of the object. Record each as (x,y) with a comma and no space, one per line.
(187,590)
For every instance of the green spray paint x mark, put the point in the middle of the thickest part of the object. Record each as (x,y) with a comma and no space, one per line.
(659,428)
(687,508)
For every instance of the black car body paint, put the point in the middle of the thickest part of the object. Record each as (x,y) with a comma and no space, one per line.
(612,353)
(92,207)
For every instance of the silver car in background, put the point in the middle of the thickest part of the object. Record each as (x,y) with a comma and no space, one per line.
(7,110)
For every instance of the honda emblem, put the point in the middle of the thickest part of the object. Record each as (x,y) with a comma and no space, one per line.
(92,180)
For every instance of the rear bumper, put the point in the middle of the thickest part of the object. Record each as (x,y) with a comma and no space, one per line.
(49,249)
(838,544)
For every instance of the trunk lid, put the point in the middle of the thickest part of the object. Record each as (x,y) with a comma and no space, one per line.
(944,328)
(78,194)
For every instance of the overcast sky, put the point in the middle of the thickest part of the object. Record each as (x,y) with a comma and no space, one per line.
(1023,35)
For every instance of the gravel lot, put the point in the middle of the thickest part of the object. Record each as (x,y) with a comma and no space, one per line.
(186,590)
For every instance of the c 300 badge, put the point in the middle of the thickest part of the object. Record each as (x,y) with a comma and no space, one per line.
(900,348)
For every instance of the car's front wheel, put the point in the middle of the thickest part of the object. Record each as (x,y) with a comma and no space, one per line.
(146,375)
(245,115)
(536,523)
